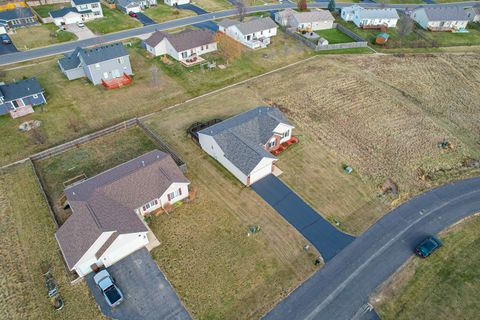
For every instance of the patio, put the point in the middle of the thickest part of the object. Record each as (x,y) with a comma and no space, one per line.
(284,146)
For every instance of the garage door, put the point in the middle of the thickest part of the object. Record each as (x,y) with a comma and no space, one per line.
(260,173)
(70,20)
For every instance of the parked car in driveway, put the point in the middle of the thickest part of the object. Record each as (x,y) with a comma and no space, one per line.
(111,292)
(132,14)
(428,246)
(5,39)
(80,24)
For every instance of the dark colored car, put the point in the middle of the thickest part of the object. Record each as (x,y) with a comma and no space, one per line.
(428,246)
(5,39)
(132,14)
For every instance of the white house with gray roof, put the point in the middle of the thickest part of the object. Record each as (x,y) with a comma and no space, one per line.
(312,20)
(370,17)
(441,18)
(474,14)
(80,11)
(136,6)
(242,144)
(255,33)
(106,62)
(182,46)
(106,224)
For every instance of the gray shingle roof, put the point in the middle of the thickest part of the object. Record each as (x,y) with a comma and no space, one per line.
(106,202)
(381,13)
(442,13)
(251,26)
(70,60)
(20,89)
(184,40)
(313,16)
(62,12)
(242,138)
(16,13)
(92,56)
(80,2)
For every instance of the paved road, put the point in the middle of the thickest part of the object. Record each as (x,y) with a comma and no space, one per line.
(328,240)
(147,293)
(122,35)
(340,290)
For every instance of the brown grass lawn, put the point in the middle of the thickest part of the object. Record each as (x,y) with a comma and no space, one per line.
(213,5)
(90,108)
(90,159)
(444,286)
(40,36)
(218,271)
(26,242)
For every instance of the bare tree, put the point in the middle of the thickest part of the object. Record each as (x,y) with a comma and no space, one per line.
(241,9)
(405,26)
(228,48)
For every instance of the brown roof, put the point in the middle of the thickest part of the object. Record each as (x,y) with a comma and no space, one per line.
(187,39)
(106,202)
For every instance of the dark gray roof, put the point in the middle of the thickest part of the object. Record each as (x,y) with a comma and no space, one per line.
(251,26)
(242,138)
(442,13)
(80,2)
(126,3)
(228,22)
(184,40)
(92,56)
(106,202)
(62,12)
(16,13)
(20,89)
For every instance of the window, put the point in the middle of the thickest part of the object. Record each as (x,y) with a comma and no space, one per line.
(149,205)
(94,5)
(286,134)
(105,75)
(97,66)
(272,144)
(35,96)
(174,194)
(120,60)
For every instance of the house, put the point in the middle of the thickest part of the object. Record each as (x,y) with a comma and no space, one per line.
(474,14)
(18,17)
(182,46)
(106,224)
(19,98)
(136,6)
(99,64)
(243,143)
(176,2)
(80,11)
(441,18)
(370,18)
(255,33)
(310,21)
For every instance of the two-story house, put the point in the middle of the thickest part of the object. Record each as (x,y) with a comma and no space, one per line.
(184,46)
(16,18)
(106,223)
(243,143)
(18,98)
(255,33)
(370,17)
(80,11)
(100,64)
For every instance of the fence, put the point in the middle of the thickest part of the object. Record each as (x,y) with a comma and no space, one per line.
(36,3)
(349,33)
(338,46)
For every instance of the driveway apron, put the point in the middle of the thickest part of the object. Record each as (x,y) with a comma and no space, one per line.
(144,19)
(321,233)
(193,8)
(7,48)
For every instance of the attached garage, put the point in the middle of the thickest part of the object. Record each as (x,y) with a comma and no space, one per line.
(263,169)
(65,16)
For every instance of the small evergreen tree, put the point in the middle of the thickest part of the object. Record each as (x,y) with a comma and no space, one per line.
(332,6)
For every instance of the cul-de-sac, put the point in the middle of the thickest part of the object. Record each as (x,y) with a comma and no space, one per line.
(240,159)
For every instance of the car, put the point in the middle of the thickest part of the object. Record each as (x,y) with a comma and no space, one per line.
(132,14)
(111,292)
(80,24)
(5,39)
(428,246)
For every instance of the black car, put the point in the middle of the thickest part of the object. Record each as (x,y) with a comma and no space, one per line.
(428,246)
(5,39)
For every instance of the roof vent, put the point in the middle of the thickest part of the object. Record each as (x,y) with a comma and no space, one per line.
(143,163)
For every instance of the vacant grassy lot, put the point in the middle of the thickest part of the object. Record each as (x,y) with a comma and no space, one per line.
(213,5)
(334,36)
(40,36)
(26,242)
(113,20)
(89,159)
(218,271)
(45,9)
(89,108)
(444,286)
(163,12)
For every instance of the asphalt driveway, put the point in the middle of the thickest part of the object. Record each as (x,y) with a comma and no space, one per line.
(321,233)
(147,293)
(7,48)
(144,19)
(193,8)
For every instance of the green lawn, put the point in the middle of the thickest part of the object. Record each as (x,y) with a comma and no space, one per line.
(162,12)
(113,20)
(334,36)
(40,36)
(45,9)
(89,160)
(444,286)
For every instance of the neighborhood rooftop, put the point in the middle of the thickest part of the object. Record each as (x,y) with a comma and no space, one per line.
(20,89)
(441,13)
(184,40)
(62,12)
(243,137)
(316,15)
(80,2)
(93,55)
(106,202)
(251,26)
(384,13)
(16,13)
